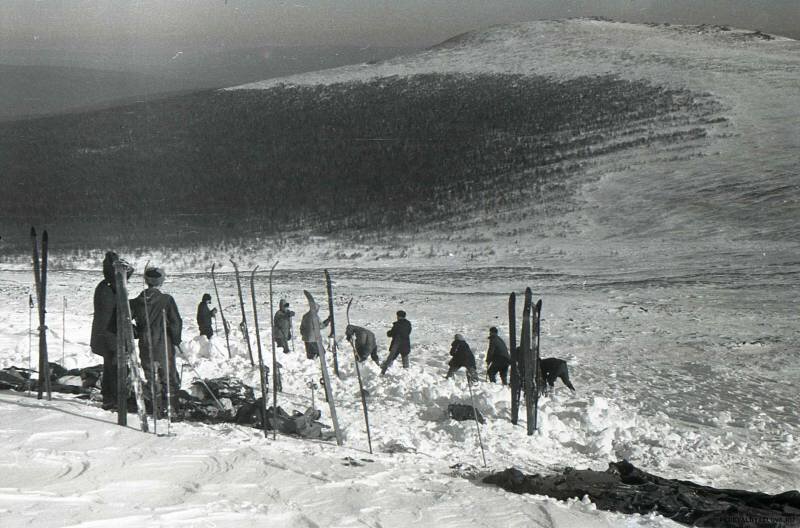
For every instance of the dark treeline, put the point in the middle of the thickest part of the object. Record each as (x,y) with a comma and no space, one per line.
(386,154)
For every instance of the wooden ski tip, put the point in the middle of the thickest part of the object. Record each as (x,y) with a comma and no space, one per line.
(309,296)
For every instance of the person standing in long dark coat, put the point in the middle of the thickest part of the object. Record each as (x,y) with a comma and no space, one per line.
(204,316)
(401,341)
(156,302)
(103,341)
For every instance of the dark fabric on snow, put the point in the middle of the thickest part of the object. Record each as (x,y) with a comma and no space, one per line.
(626,489)
(462,412)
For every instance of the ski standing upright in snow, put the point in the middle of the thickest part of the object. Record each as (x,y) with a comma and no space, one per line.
(40,278)
(512,342)
(527,358)
(262,374)
(317,333)
(221,314)
(332,335)
(127,346)
(244,316)
(148,337)
(538,384)
(360,383)
(276,376)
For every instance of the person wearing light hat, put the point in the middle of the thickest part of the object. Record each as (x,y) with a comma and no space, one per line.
(462,356)
(158,303)
(204,315)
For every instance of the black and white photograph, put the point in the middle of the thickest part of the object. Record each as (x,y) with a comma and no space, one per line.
(432,263)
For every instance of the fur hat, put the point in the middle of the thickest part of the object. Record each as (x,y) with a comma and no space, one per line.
(154,277)
(401,314)
(282,303)
(493,330)
(459,337)
(206,297)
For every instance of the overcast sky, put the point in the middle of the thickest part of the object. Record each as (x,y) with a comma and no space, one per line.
(97,24)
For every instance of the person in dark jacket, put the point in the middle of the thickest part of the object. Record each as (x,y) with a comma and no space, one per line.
(158,303)
(401,341)
(204,315)
(364,342)
(283,325)
(462,356)
(103,341)
(497,357)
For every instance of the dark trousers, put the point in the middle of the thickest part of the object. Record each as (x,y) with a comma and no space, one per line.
(363,354)
(502,369)
(394,351)
(161,381)
(282,343)
(108,388)
(312,350)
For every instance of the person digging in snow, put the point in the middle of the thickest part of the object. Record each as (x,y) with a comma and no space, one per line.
(497,357)
(204,315)
(156,302)
(364,342)
(401,341)
(462,356)
(283,325)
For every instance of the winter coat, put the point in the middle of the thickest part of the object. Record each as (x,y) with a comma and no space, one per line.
(462,356)
(104,323)
(283,324)
(401,336)
(362,339)
(156,302)
(204,315)
(498,351)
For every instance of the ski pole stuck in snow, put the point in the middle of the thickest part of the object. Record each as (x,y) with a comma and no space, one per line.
(475,414)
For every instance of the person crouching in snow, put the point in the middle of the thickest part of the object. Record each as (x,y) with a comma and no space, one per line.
(364,342)
(204,315)
(462,356)
(283,325)
(307,329)
(497,357)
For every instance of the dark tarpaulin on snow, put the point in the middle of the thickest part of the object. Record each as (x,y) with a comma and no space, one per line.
(626,489)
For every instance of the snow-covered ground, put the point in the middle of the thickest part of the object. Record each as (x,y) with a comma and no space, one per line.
(672,291)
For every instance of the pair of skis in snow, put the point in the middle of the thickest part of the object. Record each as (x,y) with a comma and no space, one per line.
(525,373)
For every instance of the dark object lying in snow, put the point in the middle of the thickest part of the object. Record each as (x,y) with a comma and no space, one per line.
(461,412)
(301,424)
(75,381)
(626,489)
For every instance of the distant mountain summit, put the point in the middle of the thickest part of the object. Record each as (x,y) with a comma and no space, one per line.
(593,135)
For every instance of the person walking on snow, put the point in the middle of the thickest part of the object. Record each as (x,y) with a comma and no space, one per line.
(283,325)
(307,325)
(462,356)
(103,341)
(156,302)
(401,341)
(497,357)
(204,315)
(364,342)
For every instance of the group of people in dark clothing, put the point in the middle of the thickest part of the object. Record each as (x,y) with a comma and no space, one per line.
(158,327)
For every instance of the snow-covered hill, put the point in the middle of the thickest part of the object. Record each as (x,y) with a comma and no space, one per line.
(668,272)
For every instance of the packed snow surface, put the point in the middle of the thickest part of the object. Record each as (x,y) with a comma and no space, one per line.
(672,292)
